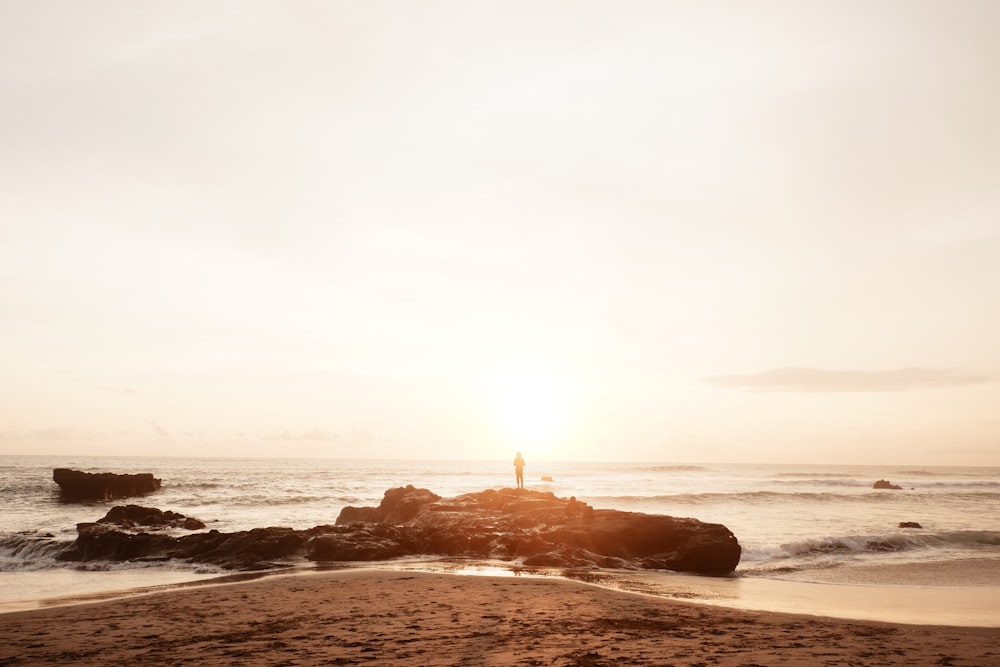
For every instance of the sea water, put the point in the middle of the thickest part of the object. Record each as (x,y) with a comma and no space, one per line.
(795,522)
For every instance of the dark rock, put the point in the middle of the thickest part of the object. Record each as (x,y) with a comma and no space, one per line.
(133,516)
(358,515)
(362,544)
(254,549)
(190,523)
(544,529)
(909,524)
(245,550)
(96,541)
(885,484)
(77,486)
(534,527)
(398,506)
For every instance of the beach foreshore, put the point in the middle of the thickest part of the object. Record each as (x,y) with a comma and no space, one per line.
(378,616)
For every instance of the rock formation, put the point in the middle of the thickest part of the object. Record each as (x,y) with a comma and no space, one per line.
(885,484)
(541,529)
(79,486)
(131,517)
(532,527)
(909,524)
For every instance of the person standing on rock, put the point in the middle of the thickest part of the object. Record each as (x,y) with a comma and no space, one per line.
(519,470)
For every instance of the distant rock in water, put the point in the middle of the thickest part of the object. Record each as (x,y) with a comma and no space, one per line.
(78,486)
(909,524)
(532,527)
(885,484)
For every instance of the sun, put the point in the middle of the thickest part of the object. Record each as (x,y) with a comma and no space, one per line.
(530,409)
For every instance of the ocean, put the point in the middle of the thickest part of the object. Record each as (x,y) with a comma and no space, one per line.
(796,523)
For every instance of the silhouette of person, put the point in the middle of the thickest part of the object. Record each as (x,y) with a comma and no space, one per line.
(519,470)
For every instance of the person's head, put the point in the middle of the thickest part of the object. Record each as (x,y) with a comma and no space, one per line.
(519,453)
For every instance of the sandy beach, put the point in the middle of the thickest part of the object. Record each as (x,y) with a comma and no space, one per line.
(383,617)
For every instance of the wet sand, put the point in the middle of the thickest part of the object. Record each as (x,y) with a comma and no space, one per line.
(381,617)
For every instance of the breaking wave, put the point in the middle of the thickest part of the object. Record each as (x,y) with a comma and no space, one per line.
(867,544)
(24,551)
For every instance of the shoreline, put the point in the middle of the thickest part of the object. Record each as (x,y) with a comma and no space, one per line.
(880,594)
(379,616)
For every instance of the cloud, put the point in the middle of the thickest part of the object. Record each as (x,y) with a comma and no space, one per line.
(819,380)
(159,430)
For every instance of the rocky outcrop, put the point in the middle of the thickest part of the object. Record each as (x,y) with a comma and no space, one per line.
(531,527)
(257,549)
(542,529)
(909,524)
(75,485)
(885,484)
(131,517)
(398,506)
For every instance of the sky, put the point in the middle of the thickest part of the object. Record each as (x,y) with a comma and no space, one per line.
(760,231)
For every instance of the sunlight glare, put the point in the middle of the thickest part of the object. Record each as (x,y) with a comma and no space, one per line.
(531,410)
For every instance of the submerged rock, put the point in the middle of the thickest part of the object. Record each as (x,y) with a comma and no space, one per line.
(885,484)
(533,527)
(75,485)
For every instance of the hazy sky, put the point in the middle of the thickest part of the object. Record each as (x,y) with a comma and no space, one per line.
(660,231)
